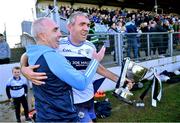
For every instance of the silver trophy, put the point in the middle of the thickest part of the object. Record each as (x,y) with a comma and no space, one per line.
(137,73)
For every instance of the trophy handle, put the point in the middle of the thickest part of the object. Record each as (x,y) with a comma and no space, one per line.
(120,92)
(122,76)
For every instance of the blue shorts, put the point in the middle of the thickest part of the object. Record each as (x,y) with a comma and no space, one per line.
(86,111)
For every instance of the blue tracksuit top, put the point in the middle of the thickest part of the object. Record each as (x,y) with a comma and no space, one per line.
(53,100)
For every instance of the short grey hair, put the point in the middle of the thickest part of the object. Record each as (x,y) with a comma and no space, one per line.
(38,27)
(72,18)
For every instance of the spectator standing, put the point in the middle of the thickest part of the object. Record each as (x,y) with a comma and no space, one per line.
(138,36)
(131,38)
(17,89)
(176,29)
(167,27)
(113,30)
(157,40)
(5,52)
(144,45)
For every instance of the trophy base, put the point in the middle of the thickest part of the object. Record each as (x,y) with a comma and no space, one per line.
(123,99)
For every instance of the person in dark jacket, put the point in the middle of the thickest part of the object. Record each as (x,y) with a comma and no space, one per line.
(156,40)
(112,30)
(131,38)
(144,43)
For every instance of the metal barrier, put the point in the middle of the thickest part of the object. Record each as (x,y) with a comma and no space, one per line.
(139,47)
(150,46)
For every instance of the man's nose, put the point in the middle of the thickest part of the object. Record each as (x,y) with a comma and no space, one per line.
(86,27)
(59,34)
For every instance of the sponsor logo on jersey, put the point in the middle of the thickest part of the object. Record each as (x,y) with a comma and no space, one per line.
(66,50)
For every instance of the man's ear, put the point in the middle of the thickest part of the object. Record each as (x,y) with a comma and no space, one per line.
(42,36)
(68,27)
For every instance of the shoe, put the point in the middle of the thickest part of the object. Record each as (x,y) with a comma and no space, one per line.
(112,53)
(161,56)
(18,121)
(137,61)
(28,119)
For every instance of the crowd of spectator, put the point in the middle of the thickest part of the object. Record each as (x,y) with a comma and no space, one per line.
(121,20)
(139,17)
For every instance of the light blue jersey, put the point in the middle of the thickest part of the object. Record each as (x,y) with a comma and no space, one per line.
(79,57)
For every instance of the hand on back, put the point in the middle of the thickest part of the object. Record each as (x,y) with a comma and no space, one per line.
(36,77)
